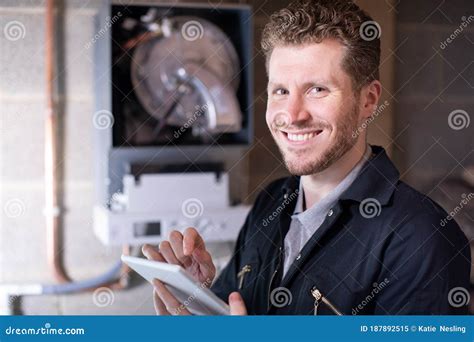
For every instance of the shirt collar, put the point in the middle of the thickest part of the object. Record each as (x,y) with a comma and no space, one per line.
(331,198)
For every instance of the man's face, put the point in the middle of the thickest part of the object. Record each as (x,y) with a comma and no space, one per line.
(311,111)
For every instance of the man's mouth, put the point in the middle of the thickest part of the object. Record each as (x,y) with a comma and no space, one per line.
(301,137)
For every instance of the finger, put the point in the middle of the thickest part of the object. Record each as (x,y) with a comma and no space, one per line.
(206,265)
(168,254)
(191,241)
(152,253)
(173,306)
(176,240)
(160,307)
(237,304)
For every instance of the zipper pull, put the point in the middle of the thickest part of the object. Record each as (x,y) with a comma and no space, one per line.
(241,275)
(318,298)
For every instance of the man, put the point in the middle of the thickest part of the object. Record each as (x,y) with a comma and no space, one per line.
(343,235)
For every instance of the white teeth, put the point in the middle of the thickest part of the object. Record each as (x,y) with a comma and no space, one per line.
(301,137)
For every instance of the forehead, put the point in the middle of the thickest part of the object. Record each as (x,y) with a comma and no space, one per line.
(305,62)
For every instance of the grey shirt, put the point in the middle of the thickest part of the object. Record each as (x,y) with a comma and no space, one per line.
(304,223)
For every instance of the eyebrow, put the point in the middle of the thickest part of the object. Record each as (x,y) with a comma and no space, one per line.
(305,85)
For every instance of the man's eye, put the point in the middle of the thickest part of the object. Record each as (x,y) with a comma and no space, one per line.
(317,90)
(280,91)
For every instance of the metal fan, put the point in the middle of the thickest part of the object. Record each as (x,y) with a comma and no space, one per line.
(187,74)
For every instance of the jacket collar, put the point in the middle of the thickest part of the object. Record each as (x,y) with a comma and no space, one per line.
(377,179)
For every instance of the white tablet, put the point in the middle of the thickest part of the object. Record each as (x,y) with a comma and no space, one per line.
(197,298)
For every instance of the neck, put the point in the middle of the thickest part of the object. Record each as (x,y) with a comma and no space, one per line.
(316,186)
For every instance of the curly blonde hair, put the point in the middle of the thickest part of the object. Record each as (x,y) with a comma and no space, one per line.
(311,21)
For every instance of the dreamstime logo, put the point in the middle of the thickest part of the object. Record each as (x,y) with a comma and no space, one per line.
(370,207)
(103,296)
(192,208)
(280,297)
(206,284)
(287,199)
(200,110)
(369,120)
(370,30)
(458,296)
(465,21)
(108,24)
(47,329)
(458,119)
(375,291)
(281,120)
(192,30)
(103,119)
(14,208)
(14,30)
(465,200)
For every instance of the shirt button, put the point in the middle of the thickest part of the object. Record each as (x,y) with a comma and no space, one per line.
(298,257)
(330,212)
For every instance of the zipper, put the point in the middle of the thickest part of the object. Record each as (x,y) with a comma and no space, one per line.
(273,276)
(241,275)
(318,298)
(270,288)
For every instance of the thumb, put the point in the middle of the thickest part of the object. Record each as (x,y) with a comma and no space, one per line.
(237,305)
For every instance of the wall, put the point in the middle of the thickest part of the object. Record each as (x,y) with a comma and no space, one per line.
(434,78)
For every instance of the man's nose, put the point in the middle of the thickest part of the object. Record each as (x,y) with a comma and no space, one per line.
(296,110)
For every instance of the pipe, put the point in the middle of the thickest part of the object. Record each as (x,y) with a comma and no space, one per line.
(9,293)
(83,285)
(52,209)
(106,279)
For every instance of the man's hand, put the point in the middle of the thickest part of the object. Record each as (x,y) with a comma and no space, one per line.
(237,305)
(189,251)
(167,304)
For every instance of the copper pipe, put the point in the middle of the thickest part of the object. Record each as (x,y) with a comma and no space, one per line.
(52,209)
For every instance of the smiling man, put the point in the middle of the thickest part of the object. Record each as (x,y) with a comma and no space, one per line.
(343,234)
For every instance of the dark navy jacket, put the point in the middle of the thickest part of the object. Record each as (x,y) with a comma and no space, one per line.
(383,249)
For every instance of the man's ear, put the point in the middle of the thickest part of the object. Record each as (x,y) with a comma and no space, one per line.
(369,98)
